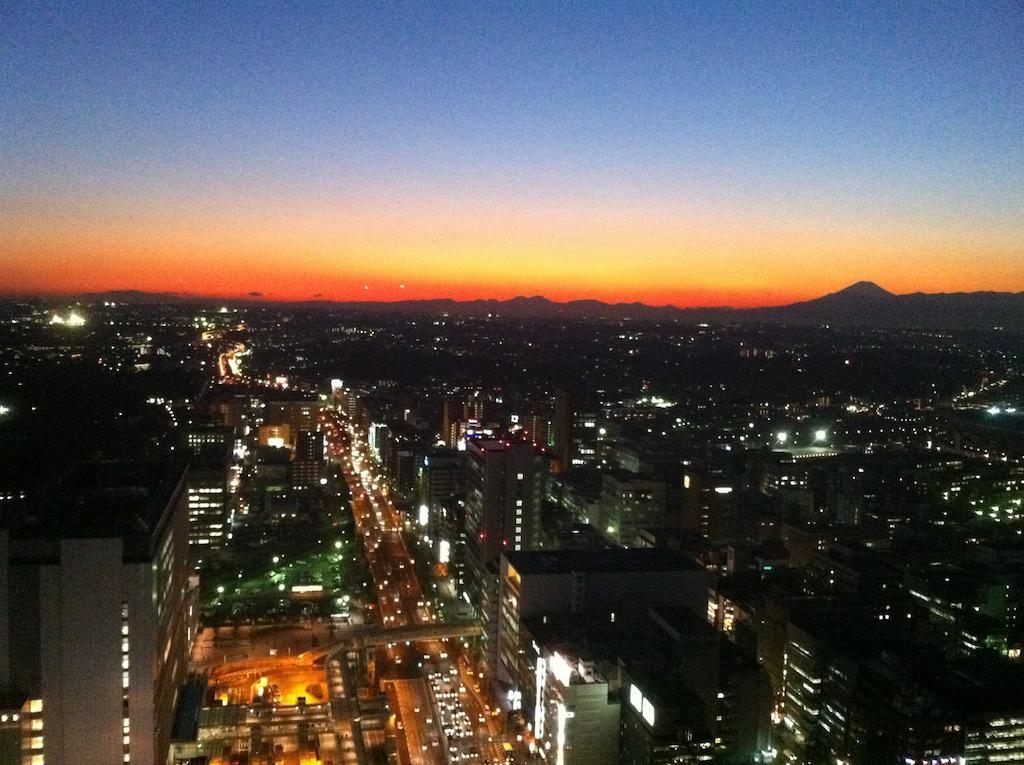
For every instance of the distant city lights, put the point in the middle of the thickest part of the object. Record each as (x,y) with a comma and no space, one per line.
(73,319)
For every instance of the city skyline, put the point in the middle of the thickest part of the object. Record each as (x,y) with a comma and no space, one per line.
(687,156)
(530,383)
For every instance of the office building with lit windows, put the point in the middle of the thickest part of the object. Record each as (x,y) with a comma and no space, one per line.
(441,511)
(630,502)
(95,618)
(207,509)
(503,498)
(199,438)
(442,480)
(298,414)
(575,433)
(209,496)
(309,460)
(661,724)
(575,717)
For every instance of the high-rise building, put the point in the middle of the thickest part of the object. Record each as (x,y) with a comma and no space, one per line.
(199,438)
(562,435)
(473,408)
(503,491)
(303,414)
(503,497)
(441,513)
(662,724)
(709,502)
(442,480)
(95,618)
(574,713)
(537,427)
(208,507)
(450,425)
(629,503)
(402,455)
(614,581)
(309,465)
(208,490)
(309,446)
(576,432)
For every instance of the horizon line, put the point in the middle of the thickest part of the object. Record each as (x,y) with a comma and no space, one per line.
(256,297)
(269,299)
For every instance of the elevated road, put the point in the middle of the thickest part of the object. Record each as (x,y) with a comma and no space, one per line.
(377,635)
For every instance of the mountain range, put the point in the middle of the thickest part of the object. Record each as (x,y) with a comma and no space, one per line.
(861,304)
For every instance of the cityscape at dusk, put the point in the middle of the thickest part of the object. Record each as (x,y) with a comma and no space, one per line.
(511,383)
(692,154)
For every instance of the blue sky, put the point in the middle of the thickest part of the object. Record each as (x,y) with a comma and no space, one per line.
(847,113)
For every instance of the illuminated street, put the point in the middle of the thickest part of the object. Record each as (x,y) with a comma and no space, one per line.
(512,383)
(401,602)
(422,740)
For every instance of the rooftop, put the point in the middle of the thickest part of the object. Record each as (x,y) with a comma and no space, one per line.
(110,499)
(615,560)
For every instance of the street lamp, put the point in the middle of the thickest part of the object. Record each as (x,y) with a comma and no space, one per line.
(782,436)
(821,435)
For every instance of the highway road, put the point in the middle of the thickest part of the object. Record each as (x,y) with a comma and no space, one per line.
(410,699)
(401,602)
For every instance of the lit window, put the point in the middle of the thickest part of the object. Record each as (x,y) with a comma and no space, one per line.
(35,706)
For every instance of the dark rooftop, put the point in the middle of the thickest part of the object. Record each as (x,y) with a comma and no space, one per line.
(584,630)
(127,499)
(601,561)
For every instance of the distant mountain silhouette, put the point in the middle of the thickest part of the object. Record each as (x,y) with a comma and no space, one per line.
(861,304)
(866,304)
(142,297)
(864,290)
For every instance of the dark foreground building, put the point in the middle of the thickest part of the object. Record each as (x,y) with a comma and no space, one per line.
(95,618)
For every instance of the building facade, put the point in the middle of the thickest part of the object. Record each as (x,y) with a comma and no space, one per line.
(96,624)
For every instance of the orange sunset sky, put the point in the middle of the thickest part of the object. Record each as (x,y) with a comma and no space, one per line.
(683,154)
